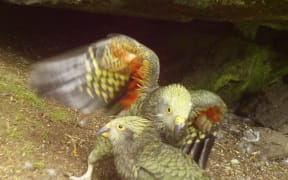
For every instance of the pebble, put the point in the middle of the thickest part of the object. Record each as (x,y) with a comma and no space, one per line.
(246,147)
(28,165)
(234,128)
(52,172)
(251,136)
(82,123)
(234,161)
(285,161)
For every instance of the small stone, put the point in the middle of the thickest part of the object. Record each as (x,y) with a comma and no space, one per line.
(234,128)
(285,161)
(251,136)
(246,120)
(263,157)
(52,172)
(43,147)
(28,165)
(234,161)
(82,123)
(260,166)
(246,147)
(220,135)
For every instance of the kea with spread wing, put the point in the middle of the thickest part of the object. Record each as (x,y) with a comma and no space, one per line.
(120,76)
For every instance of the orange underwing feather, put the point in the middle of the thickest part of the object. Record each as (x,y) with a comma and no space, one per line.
(133,65)
(133,85)
(207,118)
(213,114)
(110,75)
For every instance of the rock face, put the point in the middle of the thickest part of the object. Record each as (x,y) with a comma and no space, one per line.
(236,67)
(271,144)
(269,107)
(179,10)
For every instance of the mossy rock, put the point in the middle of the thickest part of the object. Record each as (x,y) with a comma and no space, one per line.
(241,68)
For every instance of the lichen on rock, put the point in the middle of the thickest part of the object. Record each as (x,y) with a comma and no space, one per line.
(242,67)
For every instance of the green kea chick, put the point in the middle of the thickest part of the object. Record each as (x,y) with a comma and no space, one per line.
(139,152)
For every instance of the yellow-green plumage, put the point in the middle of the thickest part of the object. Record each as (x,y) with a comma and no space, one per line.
(203,124)
(139,153)
(102,150)
(102,76)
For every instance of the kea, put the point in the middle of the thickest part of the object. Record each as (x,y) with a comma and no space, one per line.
(139,152)
(119,75)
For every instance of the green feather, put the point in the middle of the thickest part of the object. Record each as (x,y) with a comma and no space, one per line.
(138,147)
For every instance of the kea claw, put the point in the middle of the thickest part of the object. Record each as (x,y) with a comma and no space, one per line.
(86,176)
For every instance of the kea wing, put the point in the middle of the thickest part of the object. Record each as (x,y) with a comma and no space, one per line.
(169,163)
(203,124)
(110,74)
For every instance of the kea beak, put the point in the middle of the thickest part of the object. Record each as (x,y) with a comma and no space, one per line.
(104,131)
(179,124)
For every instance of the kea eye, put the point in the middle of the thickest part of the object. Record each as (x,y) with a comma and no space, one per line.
(120,127)
(169,110)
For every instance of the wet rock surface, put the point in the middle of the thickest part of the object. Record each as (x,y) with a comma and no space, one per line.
(268,108)
(269,143)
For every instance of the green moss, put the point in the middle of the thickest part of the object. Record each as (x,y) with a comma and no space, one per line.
(12,133)
(54,113)
(19,116)
(12,78)
(59,115)
(38,165)
(21,92)
(244,75)
(259,69)
(224,80)
(44,134)
(242,68)
(28,149)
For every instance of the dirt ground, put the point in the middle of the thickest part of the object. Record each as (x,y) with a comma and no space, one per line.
(41,139)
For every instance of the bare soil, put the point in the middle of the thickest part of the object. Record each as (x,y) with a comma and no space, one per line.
(41,139)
